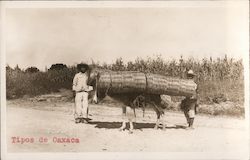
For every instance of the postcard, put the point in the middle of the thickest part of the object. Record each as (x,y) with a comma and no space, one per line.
(125,80)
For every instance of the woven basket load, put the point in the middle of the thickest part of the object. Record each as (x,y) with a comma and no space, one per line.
(128,82)
(122,82)
(104,80)
(169,85)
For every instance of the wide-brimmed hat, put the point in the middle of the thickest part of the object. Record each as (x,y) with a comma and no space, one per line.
(190,72)
(82,65)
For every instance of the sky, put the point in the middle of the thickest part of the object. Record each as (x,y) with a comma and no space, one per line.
(43,36)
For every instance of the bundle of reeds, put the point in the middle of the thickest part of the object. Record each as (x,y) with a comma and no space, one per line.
(122,82)
(130,82)
(159,84)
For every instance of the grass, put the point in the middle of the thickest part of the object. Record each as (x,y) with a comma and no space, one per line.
(218,81)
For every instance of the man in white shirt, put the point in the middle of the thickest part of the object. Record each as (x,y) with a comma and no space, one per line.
(80,88)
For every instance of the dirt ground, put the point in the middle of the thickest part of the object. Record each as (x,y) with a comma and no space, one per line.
(26,119)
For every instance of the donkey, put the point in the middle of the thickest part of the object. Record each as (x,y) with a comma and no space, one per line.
(129,101)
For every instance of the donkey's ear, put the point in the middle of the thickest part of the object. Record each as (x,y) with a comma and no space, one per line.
(98,75)
(89,67)
(92,62)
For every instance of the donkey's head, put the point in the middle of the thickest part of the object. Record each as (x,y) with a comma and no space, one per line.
(94,74)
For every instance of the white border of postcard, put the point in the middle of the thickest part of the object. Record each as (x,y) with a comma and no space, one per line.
(115,155)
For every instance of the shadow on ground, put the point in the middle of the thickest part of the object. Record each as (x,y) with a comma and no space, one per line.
(116,125)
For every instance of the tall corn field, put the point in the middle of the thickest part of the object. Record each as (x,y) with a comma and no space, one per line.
(206,69)
(213,76)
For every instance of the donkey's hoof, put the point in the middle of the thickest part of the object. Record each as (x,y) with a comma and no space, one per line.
(189,128)
(164,128)
(130,132)
(121,129)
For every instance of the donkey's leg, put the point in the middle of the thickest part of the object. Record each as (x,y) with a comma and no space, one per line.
(131,126)
(158,115)
(162,117)
(124,117)
(156,124)
(123,126)
(131,118)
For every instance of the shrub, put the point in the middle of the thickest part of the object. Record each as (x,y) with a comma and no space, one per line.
(57,66)
(32,70)
(214,77)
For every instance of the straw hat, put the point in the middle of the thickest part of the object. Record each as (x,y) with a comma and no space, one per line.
(191,72)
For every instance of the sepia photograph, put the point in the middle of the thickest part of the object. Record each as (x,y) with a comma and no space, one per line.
(125,80)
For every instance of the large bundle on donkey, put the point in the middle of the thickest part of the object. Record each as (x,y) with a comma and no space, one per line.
(135,89)
(138,82)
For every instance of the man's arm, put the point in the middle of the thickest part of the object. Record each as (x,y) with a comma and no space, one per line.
(182,104)
(74,85)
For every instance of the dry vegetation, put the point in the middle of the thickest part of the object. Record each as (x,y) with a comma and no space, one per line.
(219,80)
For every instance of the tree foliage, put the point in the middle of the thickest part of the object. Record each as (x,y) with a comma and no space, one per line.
(217,73)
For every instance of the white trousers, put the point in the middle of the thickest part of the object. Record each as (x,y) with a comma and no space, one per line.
(81,105)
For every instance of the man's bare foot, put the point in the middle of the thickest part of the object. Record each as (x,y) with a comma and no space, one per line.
(190,128)
(121,128)
(164,127)
(77,120)
(84,121)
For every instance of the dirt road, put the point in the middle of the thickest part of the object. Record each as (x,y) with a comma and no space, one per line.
(27,119)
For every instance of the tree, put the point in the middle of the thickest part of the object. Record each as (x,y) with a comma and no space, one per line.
(118,65)
(32,70)
(46,69)
(57,66)
(17,68)
(8,68)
